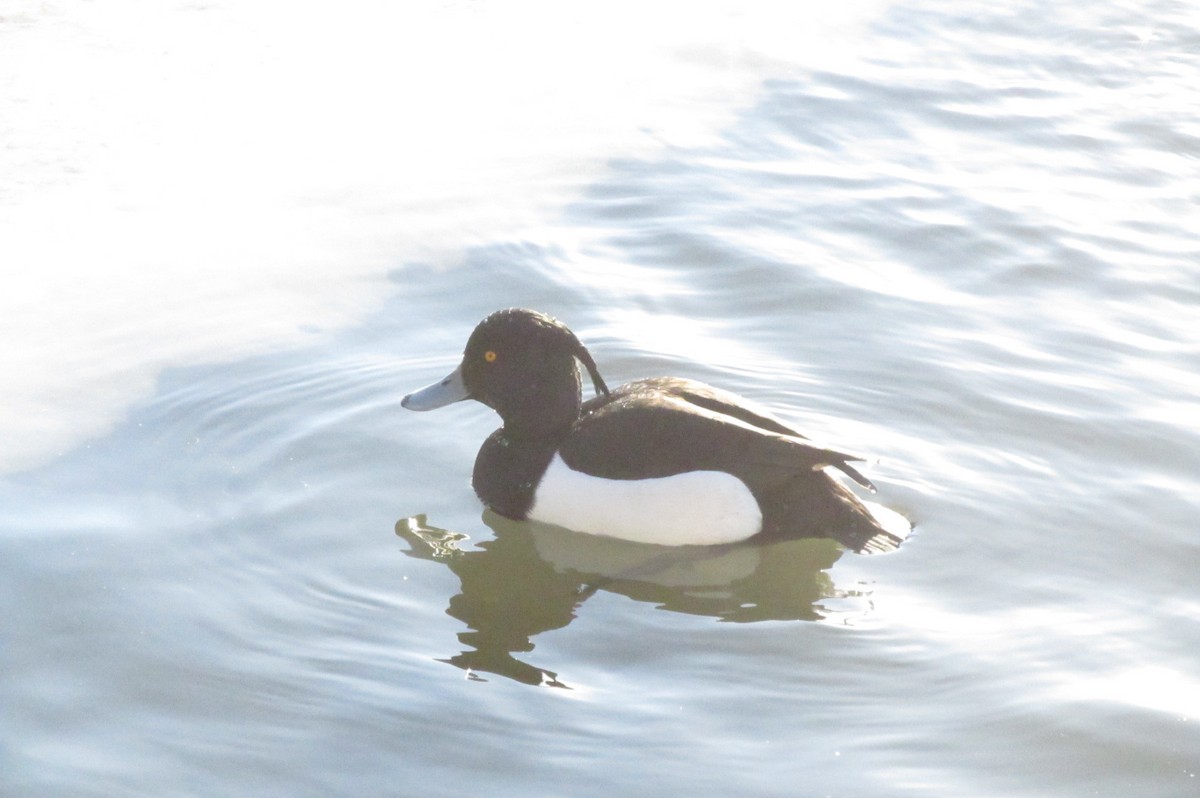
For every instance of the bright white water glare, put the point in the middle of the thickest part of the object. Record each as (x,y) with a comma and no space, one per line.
(187,182)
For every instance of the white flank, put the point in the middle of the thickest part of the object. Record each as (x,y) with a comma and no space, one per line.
(697,508)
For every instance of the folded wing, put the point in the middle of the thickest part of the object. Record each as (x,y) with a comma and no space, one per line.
(681,425)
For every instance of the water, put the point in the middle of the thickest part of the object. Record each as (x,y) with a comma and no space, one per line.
(960,241)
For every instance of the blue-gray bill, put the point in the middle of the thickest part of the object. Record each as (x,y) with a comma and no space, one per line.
(445,391)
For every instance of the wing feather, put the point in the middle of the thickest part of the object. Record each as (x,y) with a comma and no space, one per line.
(667,426)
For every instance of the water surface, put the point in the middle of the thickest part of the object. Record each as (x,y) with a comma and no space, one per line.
(964,244)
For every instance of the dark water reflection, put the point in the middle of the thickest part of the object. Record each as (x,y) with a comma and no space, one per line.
(533,578)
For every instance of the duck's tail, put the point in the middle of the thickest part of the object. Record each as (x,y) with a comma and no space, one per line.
(890,531)
(817,505)
(866,527)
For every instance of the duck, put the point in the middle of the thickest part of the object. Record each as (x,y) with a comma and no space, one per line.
(664,460)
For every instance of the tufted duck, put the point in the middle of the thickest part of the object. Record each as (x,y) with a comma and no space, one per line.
(664,460)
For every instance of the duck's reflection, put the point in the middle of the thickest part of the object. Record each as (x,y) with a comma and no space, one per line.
(532,578)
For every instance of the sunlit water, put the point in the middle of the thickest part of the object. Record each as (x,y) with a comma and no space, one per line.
(962,242)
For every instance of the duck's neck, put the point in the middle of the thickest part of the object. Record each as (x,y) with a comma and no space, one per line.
(540,423)
(545,408)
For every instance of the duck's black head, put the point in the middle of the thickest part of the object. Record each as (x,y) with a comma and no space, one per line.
(522,364)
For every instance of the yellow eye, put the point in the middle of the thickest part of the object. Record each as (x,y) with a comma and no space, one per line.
(489,356)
